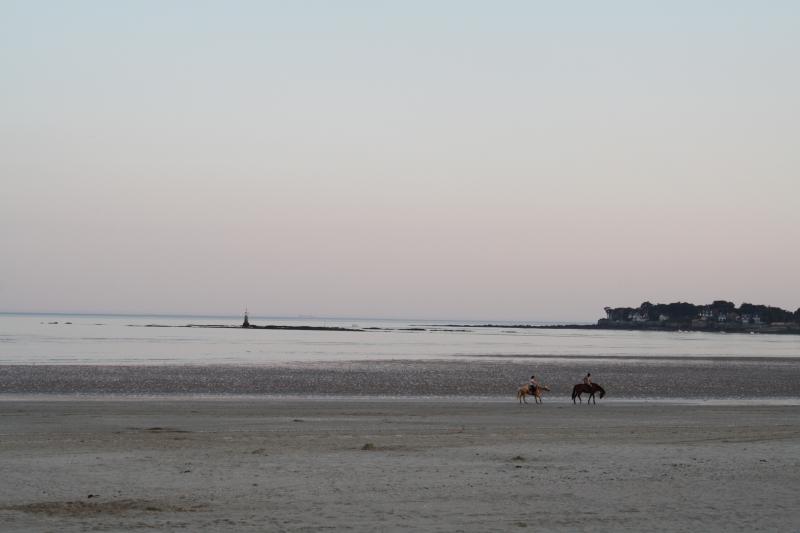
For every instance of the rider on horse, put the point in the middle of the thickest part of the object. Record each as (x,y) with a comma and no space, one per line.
(588,379)
(533,385)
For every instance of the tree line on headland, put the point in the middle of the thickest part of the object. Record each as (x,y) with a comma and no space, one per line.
(720,315)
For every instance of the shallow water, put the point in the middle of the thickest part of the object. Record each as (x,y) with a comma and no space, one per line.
(123,340)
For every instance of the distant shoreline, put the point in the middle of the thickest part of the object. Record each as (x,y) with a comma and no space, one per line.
(268,326)
(732,328)
(627,326)
(296,327)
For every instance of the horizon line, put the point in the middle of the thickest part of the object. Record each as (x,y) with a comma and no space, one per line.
(284,317)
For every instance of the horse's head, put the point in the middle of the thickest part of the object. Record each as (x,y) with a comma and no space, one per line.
(544,388)
(602,391)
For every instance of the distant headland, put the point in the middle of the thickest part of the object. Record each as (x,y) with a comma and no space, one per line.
(720,315)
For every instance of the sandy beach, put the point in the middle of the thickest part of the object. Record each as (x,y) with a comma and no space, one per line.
(386,465)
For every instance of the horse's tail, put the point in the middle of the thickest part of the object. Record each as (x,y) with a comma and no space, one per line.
(574,392)
(520,393)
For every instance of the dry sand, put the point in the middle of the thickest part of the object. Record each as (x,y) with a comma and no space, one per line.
(392,465)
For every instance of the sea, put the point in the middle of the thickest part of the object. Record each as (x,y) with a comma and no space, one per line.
(60,339)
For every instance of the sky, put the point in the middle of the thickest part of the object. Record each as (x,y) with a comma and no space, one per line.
(514,160)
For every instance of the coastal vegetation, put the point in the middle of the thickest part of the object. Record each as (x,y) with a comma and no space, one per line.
(720,315)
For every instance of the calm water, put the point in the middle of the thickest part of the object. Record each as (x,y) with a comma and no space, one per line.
(114,340)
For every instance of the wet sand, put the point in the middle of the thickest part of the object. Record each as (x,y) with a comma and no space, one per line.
(623,378)
(394,465)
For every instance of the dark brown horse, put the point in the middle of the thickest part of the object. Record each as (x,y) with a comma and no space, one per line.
(580,388)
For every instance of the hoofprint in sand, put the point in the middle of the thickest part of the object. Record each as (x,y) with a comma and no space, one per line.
(368,465)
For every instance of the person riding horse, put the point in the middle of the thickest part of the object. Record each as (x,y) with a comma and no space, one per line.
(532,388)
(588,387)
(533,385)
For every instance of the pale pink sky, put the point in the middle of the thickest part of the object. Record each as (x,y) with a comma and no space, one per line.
(473,161)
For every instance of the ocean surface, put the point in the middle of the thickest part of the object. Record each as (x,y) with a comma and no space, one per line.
(131,340)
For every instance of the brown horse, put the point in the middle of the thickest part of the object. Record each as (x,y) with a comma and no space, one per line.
(580,388)
(525,390)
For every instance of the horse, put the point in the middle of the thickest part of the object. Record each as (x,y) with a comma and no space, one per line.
(580,388)
(525,390)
